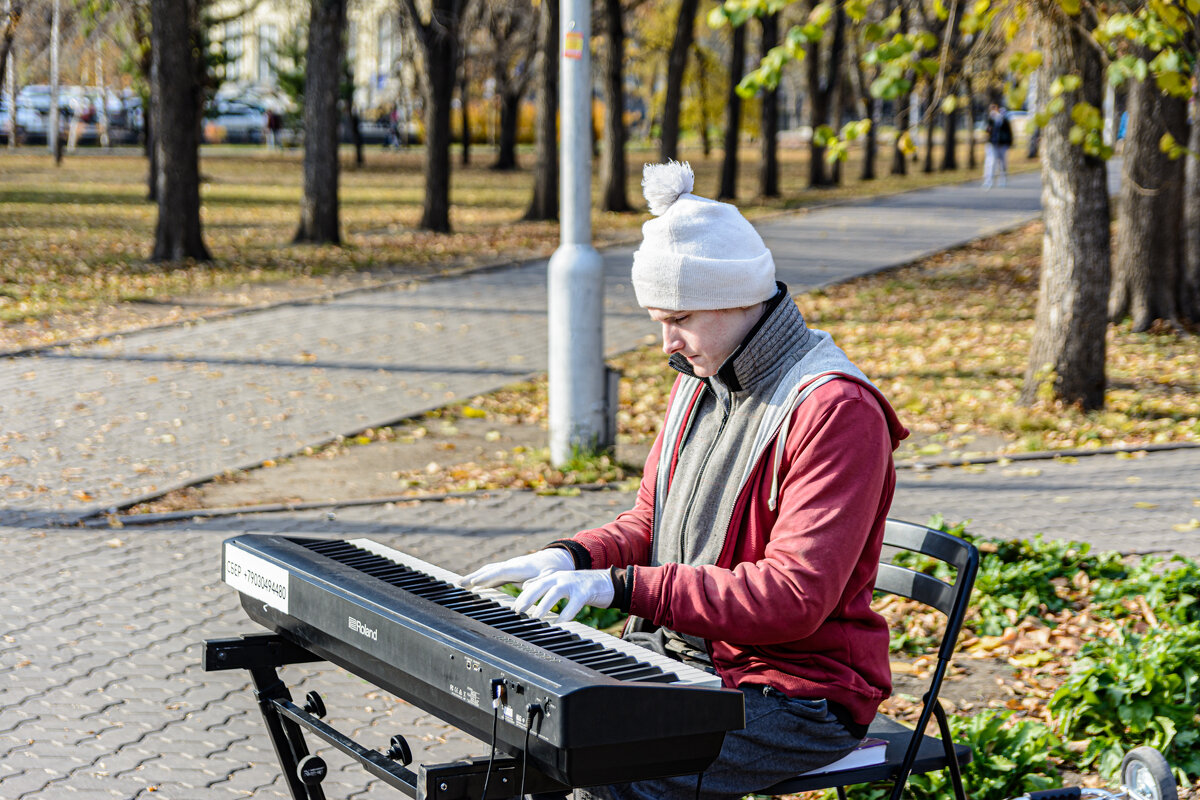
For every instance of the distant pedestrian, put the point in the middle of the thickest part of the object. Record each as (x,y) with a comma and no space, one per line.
(394,140)
(81,114)
(274,125)
(999,139)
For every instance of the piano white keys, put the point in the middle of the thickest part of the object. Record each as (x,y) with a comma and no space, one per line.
(685,674)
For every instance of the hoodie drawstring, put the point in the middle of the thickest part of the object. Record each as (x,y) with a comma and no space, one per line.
(780,443)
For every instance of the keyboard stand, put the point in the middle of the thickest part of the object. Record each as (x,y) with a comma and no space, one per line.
(262,654)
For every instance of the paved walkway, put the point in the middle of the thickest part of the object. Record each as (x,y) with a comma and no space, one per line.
(101,691)
(88,428)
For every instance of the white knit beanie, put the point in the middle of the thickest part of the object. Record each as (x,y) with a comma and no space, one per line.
(697,254)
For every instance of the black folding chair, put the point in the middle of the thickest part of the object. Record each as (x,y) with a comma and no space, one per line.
(909,750)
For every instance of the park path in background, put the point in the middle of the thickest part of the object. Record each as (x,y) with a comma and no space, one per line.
(102,425)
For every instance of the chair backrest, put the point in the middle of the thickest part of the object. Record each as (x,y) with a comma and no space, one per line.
(949,598)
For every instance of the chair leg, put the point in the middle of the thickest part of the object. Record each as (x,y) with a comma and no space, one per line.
(841,790)
(948,744)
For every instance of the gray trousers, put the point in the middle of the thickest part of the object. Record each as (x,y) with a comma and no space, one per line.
(782,738)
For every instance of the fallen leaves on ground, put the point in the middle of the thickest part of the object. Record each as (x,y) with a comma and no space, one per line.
(77,236)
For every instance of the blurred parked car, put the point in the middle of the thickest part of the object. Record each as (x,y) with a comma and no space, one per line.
(84,114)
(233,121)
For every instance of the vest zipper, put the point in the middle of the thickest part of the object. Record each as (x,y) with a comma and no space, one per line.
(687,512)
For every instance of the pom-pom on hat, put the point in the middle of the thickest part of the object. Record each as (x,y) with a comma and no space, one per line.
(696,254)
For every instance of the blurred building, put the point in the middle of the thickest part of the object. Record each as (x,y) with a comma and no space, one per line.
(382,70)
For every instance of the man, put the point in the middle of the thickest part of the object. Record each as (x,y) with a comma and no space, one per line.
(754,542)
(995,151)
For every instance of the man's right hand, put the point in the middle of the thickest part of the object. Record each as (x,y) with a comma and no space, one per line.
(521,568)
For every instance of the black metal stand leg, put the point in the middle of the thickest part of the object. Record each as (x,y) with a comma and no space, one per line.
(262,654)
(286,736)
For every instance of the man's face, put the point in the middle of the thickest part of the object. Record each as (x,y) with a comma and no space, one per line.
(705,338)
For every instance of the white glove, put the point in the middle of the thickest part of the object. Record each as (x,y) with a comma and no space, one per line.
(521,568)
(585,587)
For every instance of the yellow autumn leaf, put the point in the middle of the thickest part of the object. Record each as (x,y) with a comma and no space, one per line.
(1144,504)
(1034,659)
(1191,525)
(473,413)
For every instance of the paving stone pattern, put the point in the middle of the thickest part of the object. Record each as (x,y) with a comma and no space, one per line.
(91,427)
(101,691)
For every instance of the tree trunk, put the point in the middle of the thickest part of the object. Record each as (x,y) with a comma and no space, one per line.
(768,168)
(1146,269)
(822,83)
(899,157)
(733,116)
(1066,359)
(356,136)
(319,207)
(465,113)
(510,109)
(870,111)
(12,18)
(148,131)
(513,31)
(676,66)
(544,205)
(950,72)
(871,144)
(971,162)
(836,114)
(1189,298)
(176,86)
(613,170)
(930,121)
(439,41)
(950,145)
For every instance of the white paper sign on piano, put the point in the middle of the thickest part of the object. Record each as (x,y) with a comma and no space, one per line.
(256,577)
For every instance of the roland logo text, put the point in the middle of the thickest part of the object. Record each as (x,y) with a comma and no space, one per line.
(358,627)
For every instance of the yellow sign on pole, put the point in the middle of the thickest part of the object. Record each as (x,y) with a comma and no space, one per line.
(573,45)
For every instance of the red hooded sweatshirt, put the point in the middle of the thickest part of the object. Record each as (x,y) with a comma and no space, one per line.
(787,603)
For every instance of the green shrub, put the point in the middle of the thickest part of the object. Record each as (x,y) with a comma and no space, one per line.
(1171,589)
(1020,577)
(1013,756)
(1131,690)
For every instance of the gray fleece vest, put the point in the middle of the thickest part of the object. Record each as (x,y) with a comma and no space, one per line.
(725,433)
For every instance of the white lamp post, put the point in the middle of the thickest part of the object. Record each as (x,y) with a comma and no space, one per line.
(578,385)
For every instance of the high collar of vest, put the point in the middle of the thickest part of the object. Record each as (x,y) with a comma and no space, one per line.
(780,331)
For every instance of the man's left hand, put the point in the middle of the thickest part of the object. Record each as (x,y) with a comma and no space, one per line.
(587,587)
